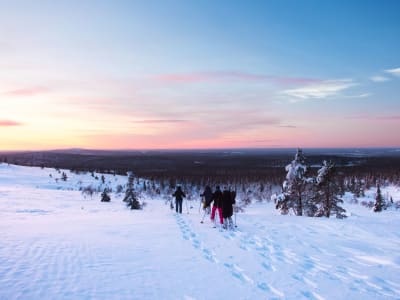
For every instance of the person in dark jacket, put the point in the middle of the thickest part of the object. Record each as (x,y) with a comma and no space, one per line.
(207,198)
(228,199)
(217,199)
(179,195)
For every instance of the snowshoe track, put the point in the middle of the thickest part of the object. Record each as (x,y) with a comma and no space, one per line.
(235,270)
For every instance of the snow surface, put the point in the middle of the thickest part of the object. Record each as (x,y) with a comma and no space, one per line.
(56,244)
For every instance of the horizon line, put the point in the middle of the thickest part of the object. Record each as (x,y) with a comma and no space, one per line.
(194,149)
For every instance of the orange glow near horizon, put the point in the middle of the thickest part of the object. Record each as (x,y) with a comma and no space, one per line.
(165,79)
(60,136)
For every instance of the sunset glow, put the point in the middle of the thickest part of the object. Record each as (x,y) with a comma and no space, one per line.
(207,74)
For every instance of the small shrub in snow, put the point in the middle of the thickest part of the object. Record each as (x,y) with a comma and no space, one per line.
(379,202)
(88,191)
(353,200)
(119,189)
(105,197)
(397,204)
(64,176)
(369,204)
(131,197)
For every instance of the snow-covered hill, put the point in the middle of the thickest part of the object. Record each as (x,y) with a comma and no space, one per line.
(56,244)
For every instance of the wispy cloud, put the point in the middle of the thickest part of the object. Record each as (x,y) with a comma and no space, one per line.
(256,121)
(363,95)
(379,78)
(230,75)
(321,90)
(237,119)
(160,121)
(389,118)
(395,71)
(27,91)
(377,117)
(9,123)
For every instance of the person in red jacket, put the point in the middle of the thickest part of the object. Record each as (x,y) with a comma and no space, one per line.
(217,199)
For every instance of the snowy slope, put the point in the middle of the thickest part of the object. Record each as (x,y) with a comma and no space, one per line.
(55,244)
(47,178)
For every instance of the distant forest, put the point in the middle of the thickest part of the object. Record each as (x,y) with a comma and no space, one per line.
(199,167)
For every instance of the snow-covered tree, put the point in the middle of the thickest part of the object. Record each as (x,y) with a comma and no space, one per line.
(294,187)
(379,202)
(144,186)
(104,196)
(64,176)
(131,197)
(357,186)
(119,189)
(325,198)
(88,191)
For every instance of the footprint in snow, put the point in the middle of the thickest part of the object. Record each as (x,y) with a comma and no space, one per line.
(238,273)
(267,266)
(196,244)
(209,256)
(263,286)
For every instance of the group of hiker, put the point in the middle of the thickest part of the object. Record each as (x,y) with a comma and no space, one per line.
(222,201)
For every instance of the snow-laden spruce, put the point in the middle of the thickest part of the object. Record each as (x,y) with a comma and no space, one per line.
(131,197)
(379,201)
(325,201)
(295,187)
(313,197)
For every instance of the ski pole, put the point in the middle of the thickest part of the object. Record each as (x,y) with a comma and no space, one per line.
(201,201)
(187,209)
(235,215)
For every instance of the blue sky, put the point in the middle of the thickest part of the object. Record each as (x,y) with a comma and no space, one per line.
(199,74)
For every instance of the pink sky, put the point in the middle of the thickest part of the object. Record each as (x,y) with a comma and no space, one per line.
(127,75)
(143,114)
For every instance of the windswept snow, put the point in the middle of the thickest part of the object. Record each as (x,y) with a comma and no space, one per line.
(56,244)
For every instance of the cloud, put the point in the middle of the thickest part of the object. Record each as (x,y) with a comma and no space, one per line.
(27,91)
(229,76)
(363,95)
(379,117)
(236,120)
(395,71)
(389,118)
(379,78)
(9,123)
(321,90)
(159,121)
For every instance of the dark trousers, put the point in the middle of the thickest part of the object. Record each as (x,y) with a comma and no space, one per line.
(178,205)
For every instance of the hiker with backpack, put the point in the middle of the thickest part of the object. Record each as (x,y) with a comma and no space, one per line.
(217,205)
(227,208)
(207,196)
(179,195)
